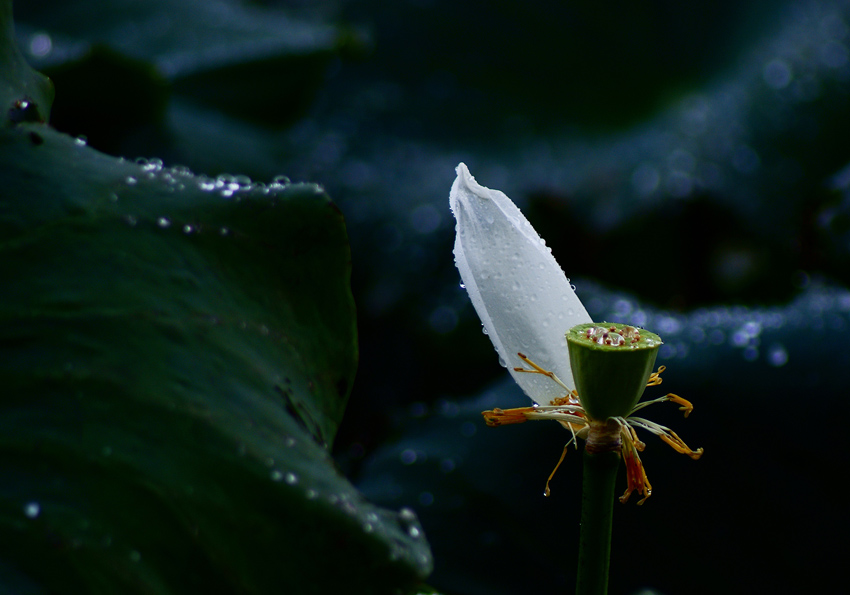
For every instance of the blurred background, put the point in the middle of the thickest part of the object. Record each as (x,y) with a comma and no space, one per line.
(689,165)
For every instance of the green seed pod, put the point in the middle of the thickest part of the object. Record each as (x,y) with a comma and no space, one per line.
(611,365)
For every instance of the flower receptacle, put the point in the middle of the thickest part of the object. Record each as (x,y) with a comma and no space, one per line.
(611,364)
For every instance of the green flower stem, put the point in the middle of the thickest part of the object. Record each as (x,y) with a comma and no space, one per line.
(597,510)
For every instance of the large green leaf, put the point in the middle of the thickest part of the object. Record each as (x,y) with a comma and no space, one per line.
(175,356)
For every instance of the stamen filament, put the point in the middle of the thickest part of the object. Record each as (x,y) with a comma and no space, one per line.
(538,370)
(547,491)
(687,407)
(667,435)
(679,446)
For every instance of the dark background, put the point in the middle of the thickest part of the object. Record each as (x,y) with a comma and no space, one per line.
(688,164)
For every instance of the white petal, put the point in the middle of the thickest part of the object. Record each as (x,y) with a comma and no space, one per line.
(522,296)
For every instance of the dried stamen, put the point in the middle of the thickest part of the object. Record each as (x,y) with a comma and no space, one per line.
(547,491)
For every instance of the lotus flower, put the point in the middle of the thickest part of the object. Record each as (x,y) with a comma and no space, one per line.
(527,306)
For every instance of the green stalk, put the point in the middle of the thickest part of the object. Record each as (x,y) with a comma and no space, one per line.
(597,511)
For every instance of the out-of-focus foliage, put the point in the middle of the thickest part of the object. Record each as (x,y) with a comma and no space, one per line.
(706,137)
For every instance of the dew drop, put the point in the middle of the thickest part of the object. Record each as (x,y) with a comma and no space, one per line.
(311,494)
(368,528)
(163,222)
(414,532)
(290,442)
(291,478)
(131,220)
(81,141)
(276,475)
(187,229)
(130,181)
(777,355)
(32,510)
(280,181)
(408,456)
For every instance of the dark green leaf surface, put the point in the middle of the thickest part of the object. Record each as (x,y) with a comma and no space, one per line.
(175,354)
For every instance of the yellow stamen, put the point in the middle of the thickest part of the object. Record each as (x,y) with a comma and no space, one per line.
(546,492)
(655,377)
(500,417)
(569,399)
(538,370)
(687,407)
(679,445)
